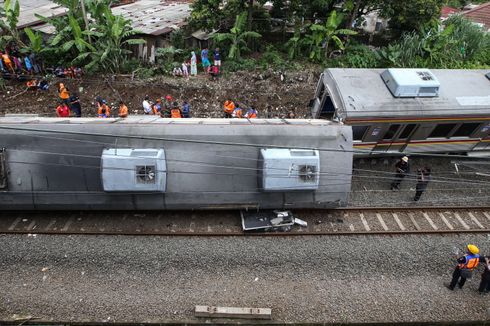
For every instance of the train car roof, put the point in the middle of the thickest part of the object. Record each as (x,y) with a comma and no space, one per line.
(361,93)
(153,120)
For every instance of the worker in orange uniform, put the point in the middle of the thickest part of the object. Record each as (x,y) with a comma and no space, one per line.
(63,92)
(8,62)
(228,108)
(251,113)
(104,111)
(123,110)
(237,113)
(175,112)
(466,264)
(62,110)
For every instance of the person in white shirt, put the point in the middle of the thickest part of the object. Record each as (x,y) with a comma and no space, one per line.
(147,105)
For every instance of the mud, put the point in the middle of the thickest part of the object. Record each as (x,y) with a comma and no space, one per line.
(272,95)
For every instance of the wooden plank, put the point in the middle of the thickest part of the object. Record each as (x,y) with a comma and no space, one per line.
(487,215)
(14,224)
(233,312)
(397,220)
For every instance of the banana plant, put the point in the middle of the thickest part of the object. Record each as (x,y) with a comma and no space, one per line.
(237,37)
(8,25)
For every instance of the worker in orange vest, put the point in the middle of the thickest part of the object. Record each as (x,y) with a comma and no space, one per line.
(123,110)
(251,114)
(63,92)
(175,112)
(237,113)
(104,111)
(466,264)
(228,108)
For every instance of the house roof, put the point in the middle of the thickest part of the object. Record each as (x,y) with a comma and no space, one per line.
(153,17)
(28,9)
(480,14)
(447,11)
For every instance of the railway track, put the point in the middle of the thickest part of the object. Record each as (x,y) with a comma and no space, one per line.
(347,221)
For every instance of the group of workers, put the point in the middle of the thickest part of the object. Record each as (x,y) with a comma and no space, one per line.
(466,264)
(235,110)
(168,108)
(402,168)
(14,63)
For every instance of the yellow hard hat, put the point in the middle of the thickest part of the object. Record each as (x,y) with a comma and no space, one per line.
(473,249)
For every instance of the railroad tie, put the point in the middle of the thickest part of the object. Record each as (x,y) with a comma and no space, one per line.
(434,226)
(474,219)
(461,221)
(444,219)
(413,221)
(364,222)
(397,220)
(381,221)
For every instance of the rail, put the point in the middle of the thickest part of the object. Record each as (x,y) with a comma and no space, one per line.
(345,221)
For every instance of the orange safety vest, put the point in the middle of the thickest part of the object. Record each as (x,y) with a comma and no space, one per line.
(123,111)
(471,262)
(103,108)
(64,95)
(6,59)
(175,113)
(229,107)
(31,83)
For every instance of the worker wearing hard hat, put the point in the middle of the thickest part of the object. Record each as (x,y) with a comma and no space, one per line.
(402,168)
(465,267)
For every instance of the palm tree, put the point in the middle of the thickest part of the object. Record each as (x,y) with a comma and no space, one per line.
(237,36)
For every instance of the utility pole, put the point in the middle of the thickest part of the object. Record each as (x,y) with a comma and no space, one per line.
(85,19)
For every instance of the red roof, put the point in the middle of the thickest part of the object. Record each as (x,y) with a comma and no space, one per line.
(480,14)
(446,11)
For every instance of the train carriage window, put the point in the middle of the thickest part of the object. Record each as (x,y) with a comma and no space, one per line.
(358,132)
(442,131)
(466,129)
(391,132)
(407,131)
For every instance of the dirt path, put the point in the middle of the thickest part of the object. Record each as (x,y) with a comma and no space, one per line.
(272,95)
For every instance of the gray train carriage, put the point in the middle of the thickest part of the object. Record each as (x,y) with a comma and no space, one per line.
(409,110)
(149,163)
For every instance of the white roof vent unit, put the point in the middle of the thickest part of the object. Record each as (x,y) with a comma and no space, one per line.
(135,170)
(289,169)
(411,82)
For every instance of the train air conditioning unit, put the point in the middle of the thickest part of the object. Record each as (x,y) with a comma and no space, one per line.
(134,170)
(411,82)
(289,169)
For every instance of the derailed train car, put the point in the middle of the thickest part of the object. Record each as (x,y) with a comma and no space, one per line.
(417,110)
(151,163)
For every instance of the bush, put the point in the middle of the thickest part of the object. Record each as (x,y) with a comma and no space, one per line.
(272,58)
(240,64)
(357,56)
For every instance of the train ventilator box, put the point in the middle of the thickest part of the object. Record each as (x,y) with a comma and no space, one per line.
(137,170)
(289,169)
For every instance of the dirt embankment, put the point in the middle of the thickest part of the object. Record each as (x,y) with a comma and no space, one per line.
(270,93)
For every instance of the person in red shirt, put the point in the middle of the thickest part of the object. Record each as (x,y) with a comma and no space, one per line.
(62,110)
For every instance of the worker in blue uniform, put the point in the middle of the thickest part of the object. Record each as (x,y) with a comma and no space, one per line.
(464,269)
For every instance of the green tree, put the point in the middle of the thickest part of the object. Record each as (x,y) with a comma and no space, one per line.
(412,15)
(322,36)
(237,37)
(8,25)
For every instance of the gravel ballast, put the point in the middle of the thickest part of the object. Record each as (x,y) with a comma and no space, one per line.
(303,279)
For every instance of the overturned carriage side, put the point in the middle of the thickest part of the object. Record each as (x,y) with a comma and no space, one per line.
(152,163)
(409,110)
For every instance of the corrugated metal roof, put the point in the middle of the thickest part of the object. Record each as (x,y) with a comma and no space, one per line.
(362,92)
(155,17)
(44,8)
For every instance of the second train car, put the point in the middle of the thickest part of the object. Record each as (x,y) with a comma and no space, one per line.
(409,110)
